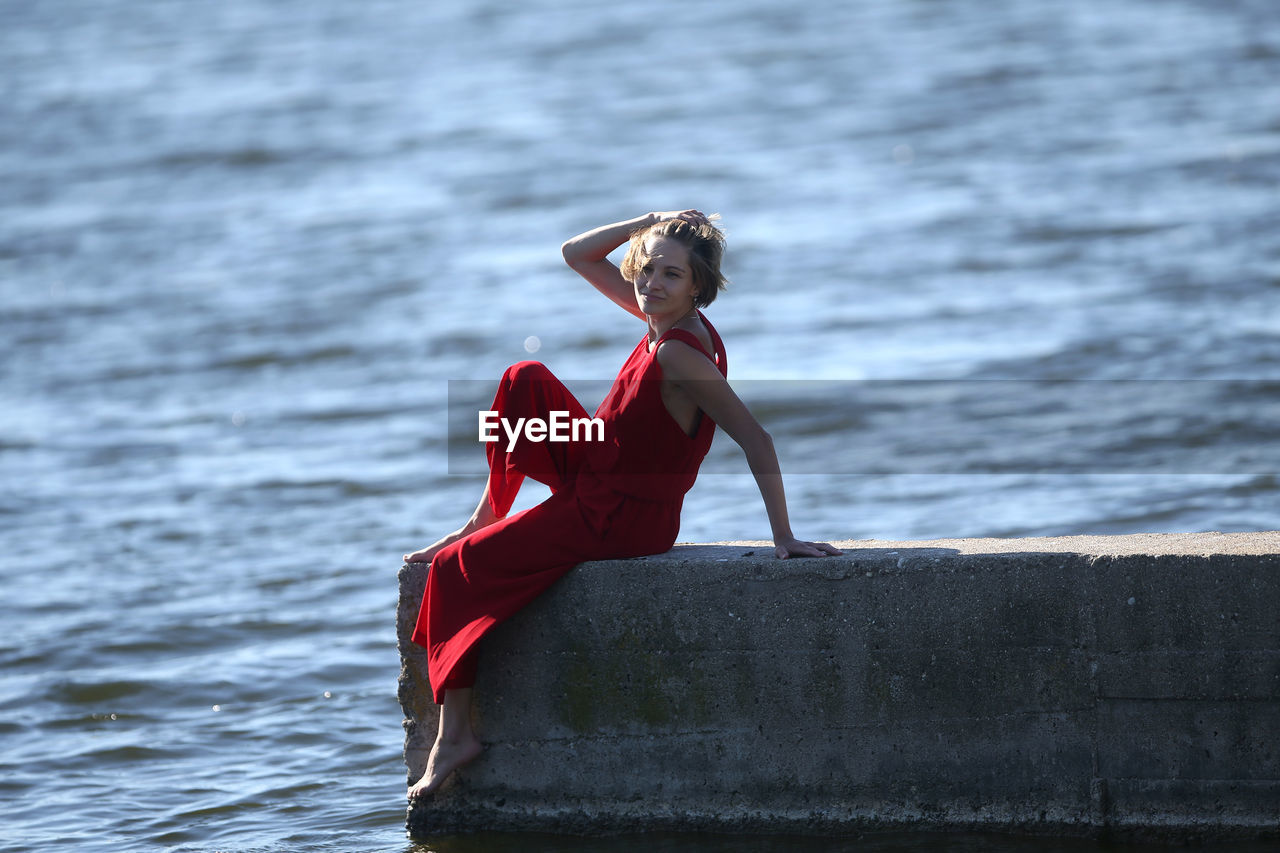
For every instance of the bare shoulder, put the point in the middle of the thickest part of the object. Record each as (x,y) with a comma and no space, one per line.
(699,330)
(680,361)
(696,328)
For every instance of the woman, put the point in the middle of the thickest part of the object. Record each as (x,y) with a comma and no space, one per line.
(611,498)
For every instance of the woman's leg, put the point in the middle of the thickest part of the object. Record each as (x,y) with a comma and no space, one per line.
(488,591)
(484,579)
(527,389)
(455,745)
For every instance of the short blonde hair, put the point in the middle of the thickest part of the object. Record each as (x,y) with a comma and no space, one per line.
(706,248)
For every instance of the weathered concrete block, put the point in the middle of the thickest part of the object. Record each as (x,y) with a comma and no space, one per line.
(1128,684)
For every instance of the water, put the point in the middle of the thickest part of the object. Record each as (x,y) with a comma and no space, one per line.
(245,245)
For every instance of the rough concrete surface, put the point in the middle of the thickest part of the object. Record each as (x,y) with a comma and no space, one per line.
(1126,686)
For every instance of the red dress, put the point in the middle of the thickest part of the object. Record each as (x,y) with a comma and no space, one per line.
(619,497)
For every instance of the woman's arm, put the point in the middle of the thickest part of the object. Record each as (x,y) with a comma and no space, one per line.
(588,254)
(697,376)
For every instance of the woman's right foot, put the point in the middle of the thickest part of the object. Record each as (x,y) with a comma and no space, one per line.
(446,757)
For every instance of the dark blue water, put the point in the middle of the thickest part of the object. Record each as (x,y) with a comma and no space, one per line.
(245,245)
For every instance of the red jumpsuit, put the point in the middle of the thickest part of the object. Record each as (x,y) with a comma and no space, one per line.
(620,497)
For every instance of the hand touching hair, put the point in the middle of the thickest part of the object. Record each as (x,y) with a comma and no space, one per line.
(695,232)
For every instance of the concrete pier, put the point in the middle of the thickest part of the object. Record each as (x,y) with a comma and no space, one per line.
(1126,686)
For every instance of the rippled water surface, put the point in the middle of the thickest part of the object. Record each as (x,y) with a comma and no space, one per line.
(245,245)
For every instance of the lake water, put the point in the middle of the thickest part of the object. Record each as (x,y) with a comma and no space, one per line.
(1026,257)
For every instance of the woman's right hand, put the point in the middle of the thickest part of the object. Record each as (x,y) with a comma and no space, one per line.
(693,217)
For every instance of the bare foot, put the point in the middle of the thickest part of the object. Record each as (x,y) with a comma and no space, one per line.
(446,757)
(482,518)
(426,554)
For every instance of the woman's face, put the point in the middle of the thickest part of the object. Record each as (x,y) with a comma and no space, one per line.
(664,284)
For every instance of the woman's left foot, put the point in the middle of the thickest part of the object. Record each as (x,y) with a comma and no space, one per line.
(446,757)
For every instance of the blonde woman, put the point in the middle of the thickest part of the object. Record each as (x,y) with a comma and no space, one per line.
(614,496)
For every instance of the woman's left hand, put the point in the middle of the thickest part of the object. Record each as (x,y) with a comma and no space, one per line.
(799,548)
